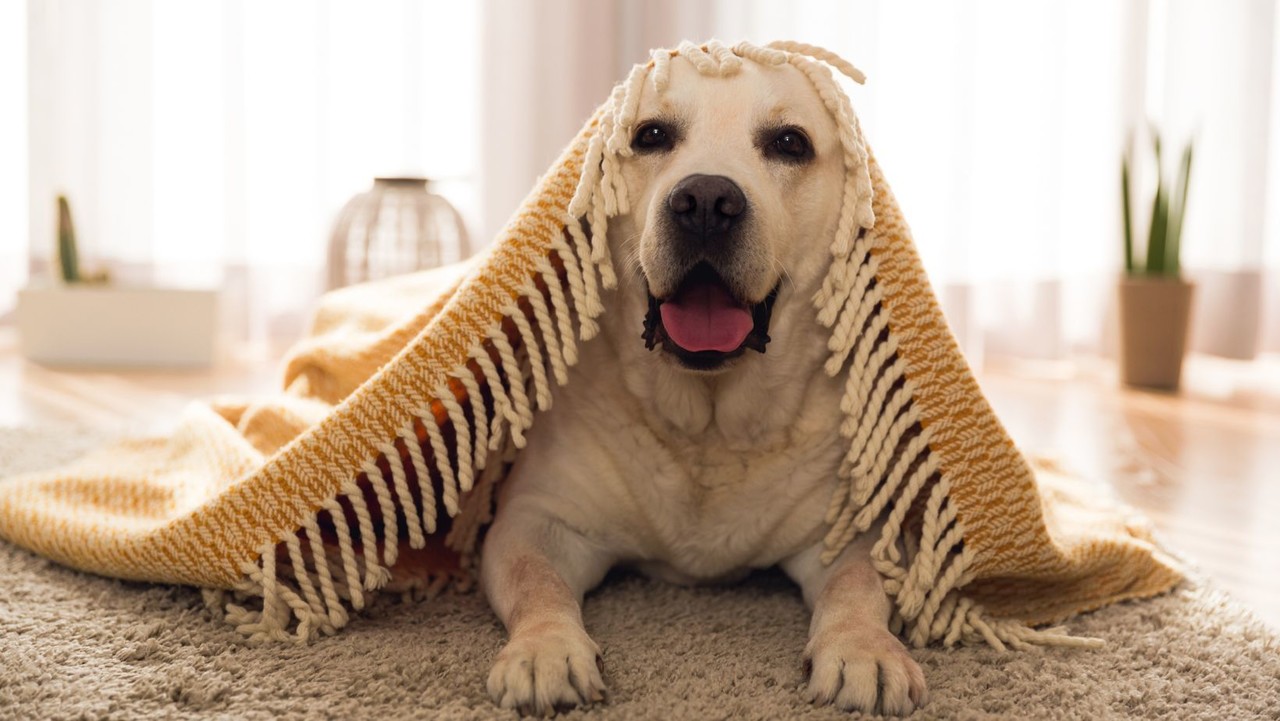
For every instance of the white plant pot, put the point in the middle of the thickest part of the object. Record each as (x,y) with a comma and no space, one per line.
(86,325)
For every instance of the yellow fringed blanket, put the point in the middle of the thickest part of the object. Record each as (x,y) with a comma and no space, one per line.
(401,412)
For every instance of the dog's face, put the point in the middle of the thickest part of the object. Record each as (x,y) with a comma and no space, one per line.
(735,186)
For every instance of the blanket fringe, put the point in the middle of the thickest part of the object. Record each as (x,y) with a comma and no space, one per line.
(888,469)
(451,451)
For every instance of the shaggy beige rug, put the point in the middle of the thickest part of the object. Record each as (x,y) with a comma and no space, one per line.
(74,646)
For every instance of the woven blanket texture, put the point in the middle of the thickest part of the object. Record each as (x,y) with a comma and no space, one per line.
(404,407)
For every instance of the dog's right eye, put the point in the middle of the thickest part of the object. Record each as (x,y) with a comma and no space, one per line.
(651,137)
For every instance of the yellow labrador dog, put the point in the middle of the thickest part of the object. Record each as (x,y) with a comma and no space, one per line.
(680,446)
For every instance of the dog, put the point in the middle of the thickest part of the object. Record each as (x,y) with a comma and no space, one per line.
(680,447)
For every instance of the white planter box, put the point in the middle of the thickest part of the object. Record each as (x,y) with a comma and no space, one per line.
(109,326)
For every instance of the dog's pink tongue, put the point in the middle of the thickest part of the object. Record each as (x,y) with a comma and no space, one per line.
(705,317)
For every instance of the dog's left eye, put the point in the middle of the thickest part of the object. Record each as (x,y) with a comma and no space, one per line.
(791,144)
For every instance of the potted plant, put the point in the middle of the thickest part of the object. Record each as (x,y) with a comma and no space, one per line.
(1155,300)
(87,320)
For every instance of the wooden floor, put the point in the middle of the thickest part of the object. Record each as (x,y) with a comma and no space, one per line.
(1204,465)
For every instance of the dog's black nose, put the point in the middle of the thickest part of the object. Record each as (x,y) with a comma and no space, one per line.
(706,204)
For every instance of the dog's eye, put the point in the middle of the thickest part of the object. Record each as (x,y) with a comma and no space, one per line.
(791,144)
(651,137)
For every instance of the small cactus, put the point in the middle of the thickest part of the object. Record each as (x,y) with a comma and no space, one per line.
(68,253)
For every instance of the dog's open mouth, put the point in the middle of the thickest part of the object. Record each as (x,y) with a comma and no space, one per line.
(703,324)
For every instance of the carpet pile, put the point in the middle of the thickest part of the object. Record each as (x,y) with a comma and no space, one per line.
(83,647)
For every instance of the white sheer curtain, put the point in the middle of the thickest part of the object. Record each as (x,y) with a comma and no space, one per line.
(548,64)
(1000,124)
(211,143)
(13,151)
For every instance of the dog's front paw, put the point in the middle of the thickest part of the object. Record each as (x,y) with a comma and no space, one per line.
(863,670)
(546,669)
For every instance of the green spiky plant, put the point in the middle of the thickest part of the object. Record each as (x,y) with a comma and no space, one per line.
(1164,236)
(68,252)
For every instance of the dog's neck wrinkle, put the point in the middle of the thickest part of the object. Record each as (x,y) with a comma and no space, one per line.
(686,410)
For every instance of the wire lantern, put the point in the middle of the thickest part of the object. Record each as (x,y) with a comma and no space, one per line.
(398,226)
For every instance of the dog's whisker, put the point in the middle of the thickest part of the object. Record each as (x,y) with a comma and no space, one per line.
(631,252)
(783,273)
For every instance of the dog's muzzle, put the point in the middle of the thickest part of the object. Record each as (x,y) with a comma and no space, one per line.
(704,321)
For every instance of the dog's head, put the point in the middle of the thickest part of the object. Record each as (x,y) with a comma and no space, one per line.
(735,187)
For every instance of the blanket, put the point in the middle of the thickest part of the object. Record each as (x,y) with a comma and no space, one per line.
(403,409)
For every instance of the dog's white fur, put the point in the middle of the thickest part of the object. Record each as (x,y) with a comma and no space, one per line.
(695,476)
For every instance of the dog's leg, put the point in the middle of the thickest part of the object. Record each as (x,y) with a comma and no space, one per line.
(535,571)
(852,660)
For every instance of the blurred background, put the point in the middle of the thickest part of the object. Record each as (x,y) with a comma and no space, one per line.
(212,143)
(218,158)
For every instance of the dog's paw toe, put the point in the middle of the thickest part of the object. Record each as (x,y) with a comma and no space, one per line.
(546,670)
(864,671)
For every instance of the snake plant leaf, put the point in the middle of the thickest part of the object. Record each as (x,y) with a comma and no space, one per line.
(1177,211)
(1127,210)
(68,253)
(1157,239)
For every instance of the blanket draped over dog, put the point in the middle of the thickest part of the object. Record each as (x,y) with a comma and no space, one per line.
(404,408)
